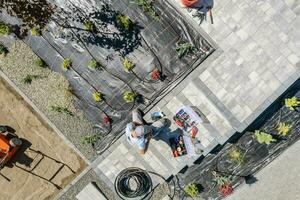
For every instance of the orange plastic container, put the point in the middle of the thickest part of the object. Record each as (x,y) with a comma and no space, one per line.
(189,3)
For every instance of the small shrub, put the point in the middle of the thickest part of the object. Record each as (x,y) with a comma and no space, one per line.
(263,138)
(191,190)
(29,78)
(93,64)
(91,139)
(40,63)
(129,96)
(63,110)
(3,49)
(291,103)
(4,29)
(283,129)
(97,96)
(67,63)
(184,49)
(35,32)
(89,26)
(128,65)
(123,21)
(226,189)
(236,155)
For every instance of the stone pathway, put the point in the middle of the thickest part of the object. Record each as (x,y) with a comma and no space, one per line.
(257,60)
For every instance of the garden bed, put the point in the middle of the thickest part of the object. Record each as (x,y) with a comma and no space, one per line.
(117,49)
(237,162)
(49,91)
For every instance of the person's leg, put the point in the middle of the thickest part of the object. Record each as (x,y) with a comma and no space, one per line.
(137,117)
(158,126)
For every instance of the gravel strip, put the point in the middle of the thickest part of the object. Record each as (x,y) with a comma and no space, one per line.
(49,89)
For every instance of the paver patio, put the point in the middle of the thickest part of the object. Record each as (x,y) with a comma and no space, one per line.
(256,61)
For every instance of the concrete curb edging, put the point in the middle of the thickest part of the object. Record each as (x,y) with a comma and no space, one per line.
(43,116)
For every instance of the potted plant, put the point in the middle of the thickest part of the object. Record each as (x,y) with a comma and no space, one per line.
(189,3)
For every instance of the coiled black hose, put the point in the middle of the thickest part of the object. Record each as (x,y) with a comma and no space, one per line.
(133,183)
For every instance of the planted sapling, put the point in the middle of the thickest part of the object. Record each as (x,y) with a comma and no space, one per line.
(123,21)
(97,96)
(147,6)
(236,155)
(89,26)
(93,64)
(29,78)
(67,63)
(91,139)
(128,65)
(283,129)
(184,49)
(4,29)
(191,190)
(291,103)
(63,110)
(35,31)
(264,138)
(3,49)
(129,96)
(40,63)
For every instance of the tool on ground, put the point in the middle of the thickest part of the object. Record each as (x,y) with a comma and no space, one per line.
(210,14)
(9,144)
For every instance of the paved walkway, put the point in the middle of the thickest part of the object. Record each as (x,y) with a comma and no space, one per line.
(257,60)
(279,180)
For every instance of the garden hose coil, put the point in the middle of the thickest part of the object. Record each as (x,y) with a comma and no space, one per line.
(133,183)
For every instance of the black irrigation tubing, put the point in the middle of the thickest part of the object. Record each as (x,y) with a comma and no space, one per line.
(105,113)
(110,106)
(156,57)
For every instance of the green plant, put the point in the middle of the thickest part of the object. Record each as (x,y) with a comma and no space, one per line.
(35,32)
(40,63)
(128,65)
(63,110)
(3,49)
(291,103)
(89,26)
(4,29)
(93,64)
(97,96)
(283,129)
(191,190)
(29,78)
(147,6)
(129,96)
(236,155)
(220,180)
(263,138)
(123,21)
(91,139)
(67,63)
(184,49)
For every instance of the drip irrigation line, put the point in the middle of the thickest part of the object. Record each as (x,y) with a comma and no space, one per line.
(110,106)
